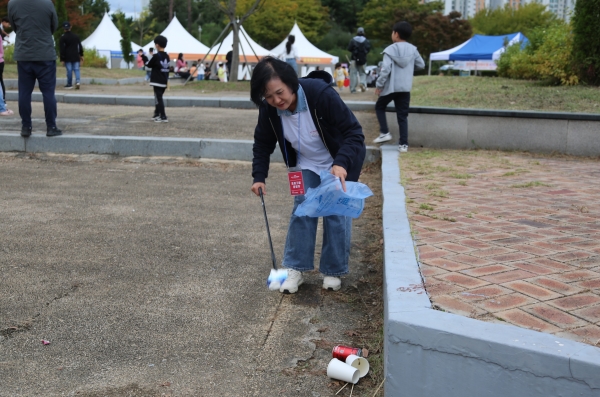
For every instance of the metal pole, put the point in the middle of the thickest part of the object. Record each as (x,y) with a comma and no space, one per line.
(429,73)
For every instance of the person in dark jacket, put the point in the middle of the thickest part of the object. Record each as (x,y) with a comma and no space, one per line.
(71,54)
(35,21)
(316,132)
(159,77)
(229,61)
(359,46)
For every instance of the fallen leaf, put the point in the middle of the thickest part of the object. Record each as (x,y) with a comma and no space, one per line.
(165,384)
(365,353)
(352,333)
(324,329)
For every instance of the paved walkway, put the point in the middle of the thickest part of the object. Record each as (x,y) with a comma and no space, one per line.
(218,123)
(509,237)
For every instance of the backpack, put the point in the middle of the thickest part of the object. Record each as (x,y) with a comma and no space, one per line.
(360,53)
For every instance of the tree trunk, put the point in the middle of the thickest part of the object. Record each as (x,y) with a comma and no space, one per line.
(189,20)
(233,73)
(171,9)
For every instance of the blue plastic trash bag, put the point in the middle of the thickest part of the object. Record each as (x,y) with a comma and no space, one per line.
(330,199)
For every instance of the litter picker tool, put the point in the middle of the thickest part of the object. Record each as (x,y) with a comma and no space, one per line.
(277,276)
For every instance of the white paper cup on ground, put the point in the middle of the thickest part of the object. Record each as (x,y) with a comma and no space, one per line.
(360,363)
(341,371)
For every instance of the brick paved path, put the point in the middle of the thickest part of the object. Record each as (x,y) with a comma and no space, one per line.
(509,237)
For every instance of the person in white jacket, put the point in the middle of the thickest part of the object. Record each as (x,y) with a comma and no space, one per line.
(395,82)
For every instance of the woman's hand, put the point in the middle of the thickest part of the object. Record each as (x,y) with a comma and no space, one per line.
(259,185)
(341,173)
(377,91)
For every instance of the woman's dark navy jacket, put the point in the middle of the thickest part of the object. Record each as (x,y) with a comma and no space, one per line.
(339,130)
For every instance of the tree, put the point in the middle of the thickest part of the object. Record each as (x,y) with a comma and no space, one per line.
(61,12)
(511,20)
(433,32)
(125,40)
(144,27)
(231,12)
(345,12)
(164,10)
(274,20)
(378,16)
(94,10)
(586,40)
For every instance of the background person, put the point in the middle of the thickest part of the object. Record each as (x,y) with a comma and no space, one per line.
(316,132)
(5,24)
(139,59)
(395,82)
(71,54)
(229,60)
(148,70)
(201,69)
(35,21)
(290,55)
(359,46)
(159,78)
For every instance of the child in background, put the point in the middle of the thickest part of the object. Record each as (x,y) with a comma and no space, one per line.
(394,83)
(159,77)
(340,76)
(221,73)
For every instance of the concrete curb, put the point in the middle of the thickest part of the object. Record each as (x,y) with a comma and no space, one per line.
(14,83)
(223,149)
(433,353)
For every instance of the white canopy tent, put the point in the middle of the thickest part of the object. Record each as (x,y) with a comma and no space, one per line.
(106,39)
(308,53)
(180,41)
(306,50)
(248,47)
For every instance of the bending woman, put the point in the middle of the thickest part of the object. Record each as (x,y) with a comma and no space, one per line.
(316,132)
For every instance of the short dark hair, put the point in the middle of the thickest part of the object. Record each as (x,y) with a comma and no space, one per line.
(403,29)
(5,19)
(267,69)
(161,41)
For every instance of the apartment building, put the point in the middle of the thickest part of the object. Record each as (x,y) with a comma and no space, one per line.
(468,8)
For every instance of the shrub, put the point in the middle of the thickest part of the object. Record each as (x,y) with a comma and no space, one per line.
(546,57)
(91,59)
(586,40)
(9,51)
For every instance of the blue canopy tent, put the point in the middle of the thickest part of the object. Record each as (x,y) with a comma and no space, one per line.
(478,48)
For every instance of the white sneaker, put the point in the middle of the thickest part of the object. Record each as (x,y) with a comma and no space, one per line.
(292,282)
(403,148)
(383,138)
(332,283)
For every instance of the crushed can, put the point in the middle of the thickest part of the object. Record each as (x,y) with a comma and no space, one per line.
(341,352)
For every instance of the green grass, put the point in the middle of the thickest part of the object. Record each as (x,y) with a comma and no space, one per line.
(529,184)
(10,72)
(426,206)
(501,93)
(461,176)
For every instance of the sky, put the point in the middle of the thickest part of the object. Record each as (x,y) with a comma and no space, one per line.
(129,7)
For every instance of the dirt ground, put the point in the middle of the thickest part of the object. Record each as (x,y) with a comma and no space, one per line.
(147,280)
(216,123)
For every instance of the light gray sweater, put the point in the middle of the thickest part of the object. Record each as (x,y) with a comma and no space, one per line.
(399,63)
(34,21)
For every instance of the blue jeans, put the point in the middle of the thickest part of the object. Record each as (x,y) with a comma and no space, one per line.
(72,67)
(302,235)
(45,73)
(293,64)
(148,73)
(200,77)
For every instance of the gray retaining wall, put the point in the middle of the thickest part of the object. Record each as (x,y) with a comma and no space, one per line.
(14,83)
(430,353)
(444,128)
(224,149)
